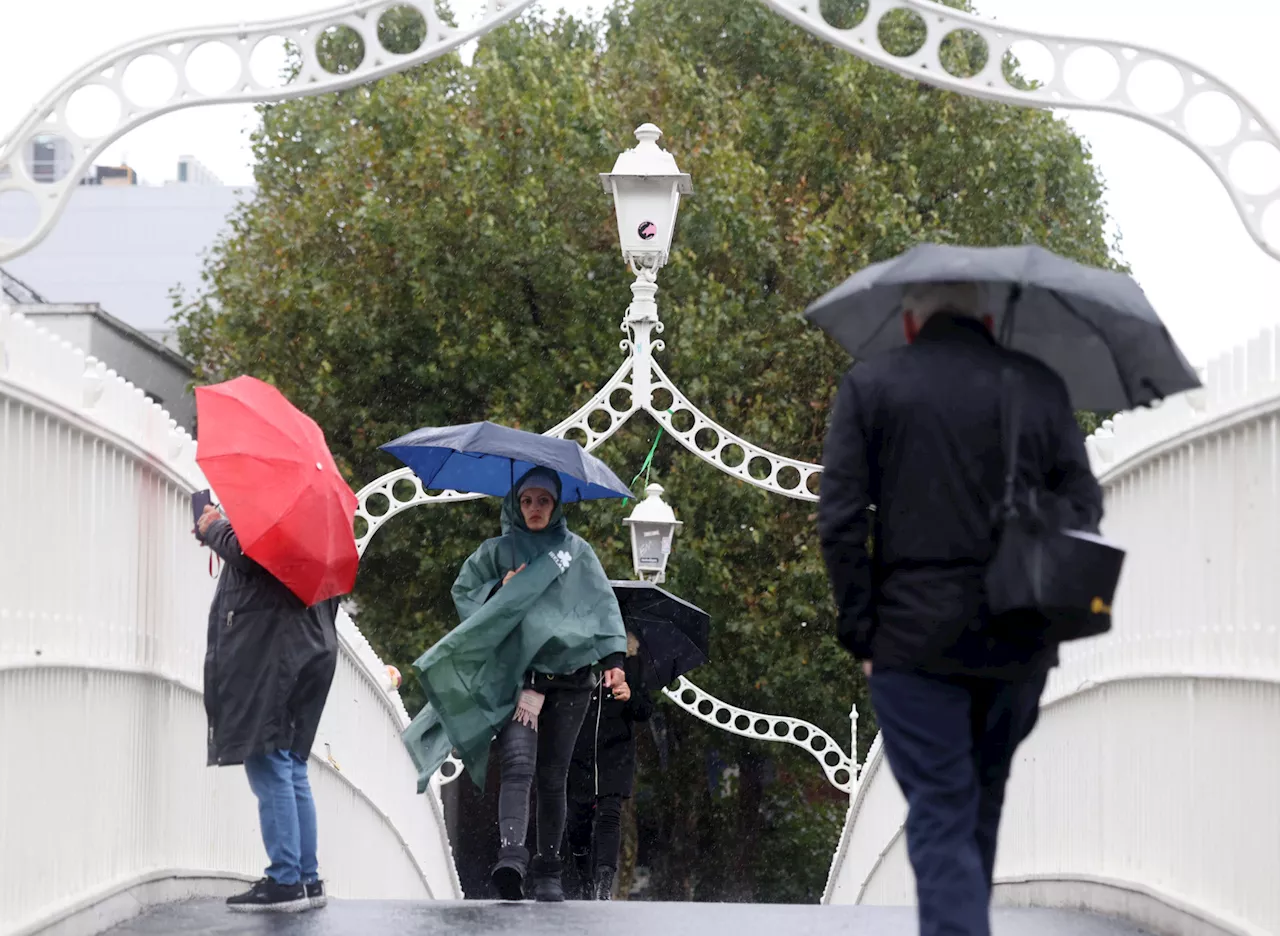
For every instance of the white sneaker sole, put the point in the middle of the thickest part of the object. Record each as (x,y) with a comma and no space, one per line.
(290,906)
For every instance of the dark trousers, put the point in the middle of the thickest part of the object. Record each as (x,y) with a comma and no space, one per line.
(595,824)
(544,754)
(950,742)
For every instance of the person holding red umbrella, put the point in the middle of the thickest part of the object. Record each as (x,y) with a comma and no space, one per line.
(286,539)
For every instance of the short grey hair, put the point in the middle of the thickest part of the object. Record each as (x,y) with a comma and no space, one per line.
(924,300)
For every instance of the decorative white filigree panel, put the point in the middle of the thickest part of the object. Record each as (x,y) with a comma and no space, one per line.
(729,452)
(231,64)
(838,767)
(1214,120)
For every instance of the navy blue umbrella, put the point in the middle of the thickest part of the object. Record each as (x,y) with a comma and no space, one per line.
(485,458)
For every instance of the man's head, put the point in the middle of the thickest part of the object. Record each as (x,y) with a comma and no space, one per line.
(924,300)
(537,498)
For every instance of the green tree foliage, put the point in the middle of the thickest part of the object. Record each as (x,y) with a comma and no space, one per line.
(434,248)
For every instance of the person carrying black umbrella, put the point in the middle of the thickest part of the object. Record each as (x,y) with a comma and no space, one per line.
(916,432)
(602,775)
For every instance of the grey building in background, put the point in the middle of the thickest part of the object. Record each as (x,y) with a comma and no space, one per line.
(125,246)
(162,373)
(102,277)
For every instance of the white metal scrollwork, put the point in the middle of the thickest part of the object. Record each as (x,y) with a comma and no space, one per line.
(111,87)
(839,768)
(1250,140)
(715,444)
(1162,90)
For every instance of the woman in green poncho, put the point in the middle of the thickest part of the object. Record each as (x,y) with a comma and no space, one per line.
(539,622)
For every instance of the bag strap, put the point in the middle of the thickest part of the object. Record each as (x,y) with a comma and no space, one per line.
(1011,433)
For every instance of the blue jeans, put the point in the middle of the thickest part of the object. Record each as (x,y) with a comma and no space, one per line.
(950,742)
(287,814)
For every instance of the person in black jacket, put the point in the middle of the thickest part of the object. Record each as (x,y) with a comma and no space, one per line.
(267,670)
(602,775)
(916,432)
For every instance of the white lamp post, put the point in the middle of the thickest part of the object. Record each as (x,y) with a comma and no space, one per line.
(653,526)
(646,185)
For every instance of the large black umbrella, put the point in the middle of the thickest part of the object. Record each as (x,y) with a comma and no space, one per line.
(1094,327)
(672,633)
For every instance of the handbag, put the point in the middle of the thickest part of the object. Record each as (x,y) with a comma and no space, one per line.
(1059,582)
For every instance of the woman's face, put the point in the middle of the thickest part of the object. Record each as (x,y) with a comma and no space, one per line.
(537,505)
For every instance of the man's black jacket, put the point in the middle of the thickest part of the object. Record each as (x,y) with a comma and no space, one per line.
(916,432)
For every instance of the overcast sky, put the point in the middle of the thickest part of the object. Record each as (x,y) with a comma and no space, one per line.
(1181,235)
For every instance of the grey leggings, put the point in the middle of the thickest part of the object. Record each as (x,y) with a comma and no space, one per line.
(544,753)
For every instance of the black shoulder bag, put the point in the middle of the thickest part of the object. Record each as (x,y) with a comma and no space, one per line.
(1062,581)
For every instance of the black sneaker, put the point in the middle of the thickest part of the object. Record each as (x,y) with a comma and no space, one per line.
(266,896)
(315,894)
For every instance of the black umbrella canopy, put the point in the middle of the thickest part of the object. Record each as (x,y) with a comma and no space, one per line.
(672,633)
(1094,327)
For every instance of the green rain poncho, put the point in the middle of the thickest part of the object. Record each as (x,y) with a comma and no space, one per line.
(557,616)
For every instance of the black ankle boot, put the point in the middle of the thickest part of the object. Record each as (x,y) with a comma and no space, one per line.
(583,886)
(604,883)
(545,876)
(508,873)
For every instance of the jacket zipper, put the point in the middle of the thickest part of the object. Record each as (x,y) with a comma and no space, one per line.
(595,759)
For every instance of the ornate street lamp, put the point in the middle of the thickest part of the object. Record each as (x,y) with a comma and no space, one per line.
(646,186)
(653,526)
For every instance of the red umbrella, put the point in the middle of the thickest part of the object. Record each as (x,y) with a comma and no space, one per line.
(290,507)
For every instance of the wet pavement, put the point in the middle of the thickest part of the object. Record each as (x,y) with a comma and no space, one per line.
(484,918)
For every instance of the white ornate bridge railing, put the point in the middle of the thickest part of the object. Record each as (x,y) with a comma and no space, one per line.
(1148,788)
(105,799)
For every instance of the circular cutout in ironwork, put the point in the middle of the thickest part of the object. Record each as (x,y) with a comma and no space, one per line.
(93,111)
(788,477)
(402,30)
(360,528)
(404,490)
(149,81)
(213,68)
(1156,87)
(620,400)
(273,62)
(812,483)
(340,50)
(1212,118)
(902,32)
(1091,73)
(964,53)
(377,504)
(48,159)
(732,455)
(843,14)
(1028,65)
